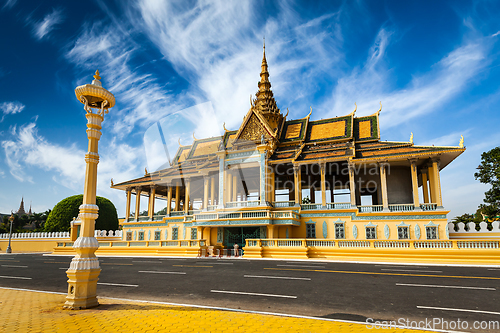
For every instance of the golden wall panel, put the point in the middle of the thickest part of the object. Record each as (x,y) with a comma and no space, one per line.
(365,129)
(328,130)
(206,148)
(293,131)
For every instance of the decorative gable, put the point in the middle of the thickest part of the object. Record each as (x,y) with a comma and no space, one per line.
(254,130)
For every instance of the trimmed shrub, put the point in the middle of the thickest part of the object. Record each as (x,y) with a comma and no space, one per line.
(64,211)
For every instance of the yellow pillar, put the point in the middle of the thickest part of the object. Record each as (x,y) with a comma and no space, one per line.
(383,185)
(84,269)
(273,189)
(298,185)
(137,202)
(229,186)
(425,186)
(270,231)
(151,207)
(127,212)
(177,198)
(437,182)
(169,200)
(414,183)
(352,185)
(212,190)
(323,183)
(186,197)
(235,188)
(206,180)
(206,235)
(432,188)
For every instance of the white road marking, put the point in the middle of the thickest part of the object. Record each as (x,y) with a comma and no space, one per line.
(251,294)
(441,286)
(158,272)
(494,269)
(118,284)
(14,266)
(45,259)
(276,277)
(310,263)
(460,310)
(149,262)
(402,266)
(15,277)
(301,266)
(410,270)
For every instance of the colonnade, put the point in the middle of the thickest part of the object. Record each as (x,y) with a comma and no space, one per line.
(429,174)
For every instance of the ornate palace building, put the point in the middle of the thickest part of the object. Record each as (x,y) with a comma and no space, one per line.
(275,178)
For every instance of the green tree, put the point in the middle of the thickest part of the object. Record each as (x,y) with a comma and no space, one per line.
(63,213)
(489,173)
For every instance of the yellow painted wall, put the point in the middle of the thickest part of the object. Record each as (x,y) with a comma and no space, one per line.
(29,245)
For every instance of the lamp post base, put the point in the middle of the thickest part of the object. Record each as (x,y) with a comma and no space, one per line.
(9,250)
(82,286)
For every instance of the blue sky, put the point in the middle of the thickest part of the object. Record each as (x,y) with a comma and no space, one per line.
(433,64)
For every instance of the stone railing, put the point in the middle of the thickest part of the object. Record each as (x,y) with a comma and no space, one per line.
(108,234)
(469,230)
(60,235)
(238,204)
(428,206)
(313,206)
(370,209)
(281,204)
(401,207)
(338,205)
(36,235)
(245,215)
(373,243)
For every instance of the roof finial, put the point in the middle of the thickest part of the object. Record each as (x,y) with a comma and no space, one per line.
(224,127)
(461,144)
(310,112)
(194,137)
(96,81)
(380,107)
(411,137)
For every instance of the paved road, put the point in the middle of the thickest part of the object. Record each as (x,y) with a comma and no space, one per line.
(313,288)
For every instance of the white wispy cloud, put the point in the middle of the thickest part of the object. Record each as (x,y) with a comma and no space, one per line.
(422,95)
(42,28)
(9,4)
(67,164)
(217,47)
(10,108)
(142,99)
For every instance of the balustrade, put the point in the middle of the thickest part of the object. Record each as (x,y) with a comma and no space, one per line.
(338,205)
(401,207)
(311,206)
(428,206)
(370,209)
(281,204)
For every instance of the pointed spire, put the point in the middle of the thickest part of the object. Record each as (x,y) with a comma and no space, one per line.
(21,210)
(265,102)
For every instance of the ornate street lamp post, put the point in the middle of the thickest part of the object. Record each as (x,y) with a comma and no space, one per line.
(11,219)
(84,269)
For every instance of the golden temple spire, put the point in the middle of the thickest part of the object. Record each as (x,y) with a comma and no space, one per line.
(264,101)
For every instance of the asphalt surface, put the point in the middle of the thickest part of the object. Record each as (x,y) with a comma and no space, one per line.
(347,291)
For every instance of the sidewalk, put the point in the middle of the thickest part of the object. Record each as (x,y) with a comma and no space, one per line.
(28,311)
